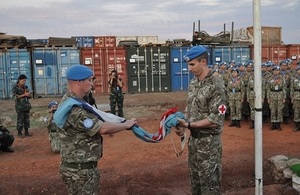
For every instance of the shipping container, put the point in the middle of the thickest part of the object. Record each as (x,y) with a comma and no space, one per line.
(50,66)
(180,75)
(102,61)
(14,62)
(84,41)
(240,54)
(148,69)
(105,41)
(293,53)
(269,35)
(221,54)
(142,40)
(274,53)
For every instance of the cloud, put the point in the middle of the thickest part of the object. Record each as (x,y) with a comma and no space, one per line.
(166,19)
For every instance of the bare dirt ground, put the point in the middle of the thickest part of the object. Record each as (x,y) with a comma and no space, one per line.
(130,166)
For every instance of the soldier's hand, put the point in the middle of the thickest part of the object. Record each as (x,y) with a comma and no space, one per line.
(180,130)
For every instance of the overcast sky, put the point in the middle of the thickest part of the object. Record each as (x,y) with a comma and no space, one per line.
(167,19)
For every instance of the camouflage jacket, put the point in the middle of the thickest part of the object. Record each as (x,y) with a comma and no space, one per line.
(80,138)
(21,103)
(295,87)
(205,99)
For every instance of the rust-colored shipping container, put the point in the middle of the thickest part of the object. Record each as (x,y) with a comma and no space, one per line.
(269,35)
(274,53)
(105,41)
(102,61)
(293,53)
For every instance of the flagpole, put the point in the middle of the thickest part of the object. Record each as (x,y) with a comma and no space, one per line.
(258,98)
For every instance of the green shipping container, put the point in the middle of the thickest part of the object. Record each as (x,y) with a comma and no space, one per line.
(148,69)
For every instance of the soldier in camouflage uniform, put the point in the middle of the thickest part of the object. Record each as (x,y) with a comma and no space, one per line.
(251,99)
(245,78)
(236,91)
(52,128)
(266,75)
(116,96)
(276,94)
(21,95)
(205,111)
(223,71)
(81,140)
(287,78)
(295,97)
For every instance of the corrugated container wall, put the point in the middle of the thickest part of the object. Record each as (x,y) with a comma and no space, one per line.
(274,53)
(105,41)
(84,41)
(148,69)
(14,62)
(50,66)
(294,53)
(228,53)
(269,35)
(102,61)
(180,75)
(142,40)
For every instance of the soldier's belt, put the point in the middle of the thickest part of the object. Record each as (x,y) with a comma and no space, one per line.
(87,165)
(276,90)
(198,134)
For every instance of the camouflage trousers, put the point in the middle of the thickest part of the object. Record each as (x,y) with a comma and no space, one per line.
(296,108)
(251,106)
(83,182)
(204,160)
(116,101)
(276,107)
(54,142)
(23,120)
(235,109)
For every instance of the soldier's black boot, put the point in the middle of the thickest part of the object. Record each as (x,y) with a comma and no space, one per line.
(20,133)
(296,126)
(232,124)
(285,120)
(273,126)
(238,125)
(252,125)
(27,133)
(278,127)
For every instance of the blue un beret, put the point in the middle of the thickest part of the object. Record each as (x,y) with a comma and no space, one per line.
(79,72)
(194,52)
(52,104)
(276,68)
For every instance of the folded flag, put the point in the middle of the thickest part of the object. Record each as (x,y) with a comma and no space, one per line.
(168,120)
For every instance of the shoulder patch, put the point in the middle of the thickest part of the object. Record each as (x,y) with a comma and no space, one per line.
(222,109)
(88,123)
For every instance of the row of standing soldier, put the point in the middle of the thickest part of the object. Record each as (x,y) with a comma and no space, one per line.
(280,92)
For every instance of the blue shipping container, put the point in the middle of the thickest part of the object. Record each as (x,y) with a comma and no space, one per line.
(84,41)
(14,62)
(50,65)
(180,75)
(241,54)
(221,54)
(229,53)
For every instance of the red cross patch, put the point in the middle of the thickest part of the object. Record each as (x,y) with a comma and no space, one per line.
(222,109)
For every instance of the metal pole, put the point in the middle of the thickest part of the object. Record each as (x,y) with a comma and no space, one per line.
(258,98)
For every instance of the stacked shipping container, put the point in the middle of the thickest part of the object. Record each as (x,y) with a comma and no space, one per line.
(142,69)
